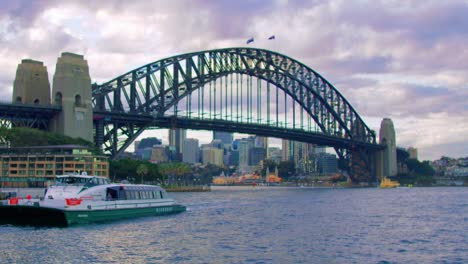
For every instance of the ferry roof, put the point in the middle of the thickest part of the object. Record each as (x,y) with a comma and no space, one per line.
(80,176)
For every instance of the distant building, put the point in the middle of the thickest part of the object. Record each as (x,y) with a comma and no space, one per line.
(234,158)
(327,163)
(212,155)
(225,137)
(176,139)
(35,166)
(387,137)
(159,154)
(261,142)
(145,153)
(274,154)
(256,155)
(148,142)
(243,150)
(191,151)
(287,150)
(413,153)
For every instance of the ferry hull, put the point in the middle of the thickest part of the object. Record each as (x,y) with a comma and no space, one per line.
(32,216)
(97,216)
(44,216)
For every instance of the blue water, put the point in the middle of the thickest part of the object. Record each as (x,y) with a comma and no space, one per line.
(273,225)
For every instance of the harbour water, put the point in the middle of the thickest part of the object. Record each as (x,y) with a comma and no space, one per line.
(267,225)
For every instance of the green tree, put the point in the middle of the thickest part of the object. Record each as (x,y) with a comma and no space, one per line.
(142,170)
(26,137)
(420,173)
(128,169)
(286,169)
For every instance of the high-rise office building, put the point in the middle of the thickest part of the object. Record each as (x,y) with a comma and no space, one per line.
(191,151)
(243,150)
(387,137)
(287,150)
(176,140)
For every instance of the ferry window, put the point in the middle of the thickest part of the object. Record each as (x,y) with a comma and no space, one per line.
(162,196)
(127,195)
(137,195)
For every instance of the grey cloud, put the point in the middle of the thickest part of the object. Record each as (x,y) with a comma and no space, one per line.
(24,11)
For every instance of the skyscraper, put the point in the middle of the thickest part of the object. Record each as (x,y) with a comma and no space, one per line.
(176,139)
(287,150)
(244,151)
(191,152)
(387,137)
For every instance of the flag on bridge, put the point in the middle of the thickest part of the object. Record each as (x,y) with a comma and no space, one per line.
(250,40)
(272,37)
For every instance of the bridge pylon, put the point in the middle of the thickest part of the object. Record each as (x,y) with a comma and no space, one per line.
(72,90)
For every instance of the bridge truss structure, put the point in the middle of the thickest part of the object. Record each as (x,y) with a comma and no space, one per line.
(244,90)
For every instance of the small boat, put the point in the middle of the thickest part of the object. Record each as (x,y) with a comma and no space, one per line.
(387,183)
(83,199)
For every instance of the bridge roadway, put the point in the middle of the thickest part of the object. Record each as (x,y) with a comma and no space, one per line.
(40,115)
(145,120)
(29,115)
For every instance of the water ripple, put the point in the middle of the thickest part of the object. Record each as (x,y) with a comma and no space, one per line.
(272,225)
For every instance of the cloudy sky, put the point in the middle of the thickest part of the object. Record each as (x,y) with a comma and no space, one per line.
(407,60)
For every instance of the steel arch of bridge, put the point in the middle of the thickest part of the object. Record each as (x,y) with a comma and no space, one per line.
(127,105)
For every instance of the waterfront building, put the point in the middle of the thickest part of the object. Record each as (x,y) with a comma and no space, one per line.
(191,151)
(176,139)
(36,166)
(387,137)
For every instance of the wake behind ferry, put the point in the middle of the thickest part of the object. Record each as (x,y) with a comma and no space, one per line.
(83,199)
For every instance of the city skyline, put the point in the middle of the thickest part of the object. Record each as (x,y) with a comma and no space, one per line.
(401,60)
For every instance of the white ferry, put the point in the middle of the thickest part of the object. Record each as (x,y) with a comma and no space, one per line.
(82,199)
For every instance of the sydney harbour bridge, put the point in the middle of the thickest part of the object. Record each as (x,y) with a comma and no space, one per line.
(245,90)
